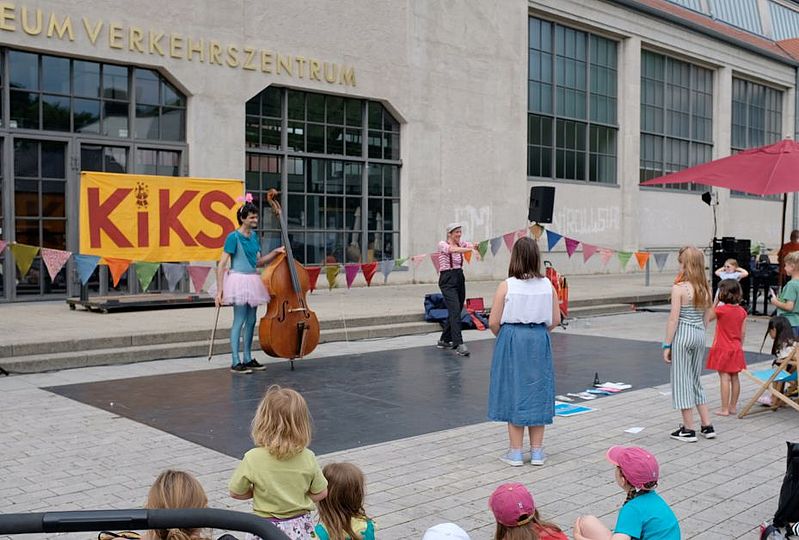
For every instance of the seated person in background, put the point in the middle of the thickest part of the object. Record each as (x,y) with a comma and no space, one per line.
(786,248)
(176,489)
(644,514)
(445,531)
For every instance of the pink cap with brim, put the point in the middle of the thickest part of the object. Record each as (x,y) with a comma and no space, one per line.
(638,466)
(512,505)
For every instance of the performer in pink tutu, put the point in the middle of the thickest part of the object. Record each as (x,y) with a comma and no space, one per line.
(241,286)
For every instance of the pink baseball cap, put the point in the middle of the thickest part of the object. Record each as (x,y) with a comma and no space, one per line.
(512,505)
(638,466)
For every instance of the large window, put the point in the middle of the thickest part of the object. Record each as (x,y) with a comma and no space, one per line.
(676,117)
(336,162)
(571,121)
(53,93)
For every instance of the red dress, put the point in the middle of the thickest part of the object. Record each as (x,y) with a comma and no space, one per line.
(727,352)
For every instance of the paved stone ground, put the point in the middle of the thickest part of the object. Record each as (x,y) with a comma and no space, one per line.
(59,454)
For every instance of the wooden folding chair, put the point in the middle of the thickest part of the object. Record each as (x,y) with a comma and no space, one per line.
(766,378)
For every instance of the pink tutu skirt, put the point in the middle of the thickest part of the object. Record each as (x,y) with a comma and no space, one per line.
(242,289)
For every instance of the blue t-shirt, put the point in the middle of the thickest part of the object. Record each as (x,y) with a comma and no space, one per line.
(244,258)
(648,517)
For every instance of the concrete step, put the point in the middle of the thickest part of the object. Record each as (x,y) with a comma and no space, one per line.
(599,310)
(81,357)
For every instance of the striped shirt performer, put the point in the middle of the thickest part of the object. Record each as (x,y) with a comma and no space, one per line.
(453,287)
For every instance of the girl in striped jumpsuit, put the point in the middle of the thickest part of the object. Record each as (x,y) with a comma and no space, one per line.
(684,347)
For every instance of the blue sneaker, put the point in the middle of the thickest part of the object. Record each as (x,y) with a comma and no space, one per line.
(537,456)
(512,458)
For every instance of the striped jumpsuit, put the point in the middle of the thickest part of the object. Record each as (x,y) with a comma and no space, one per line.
(688,354)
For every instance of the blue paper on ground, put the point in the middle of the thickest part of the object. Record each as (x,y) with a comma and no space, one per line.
(567,409)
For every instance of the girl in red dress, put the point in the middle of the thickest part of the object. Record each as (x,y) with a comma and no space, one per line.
(727,353)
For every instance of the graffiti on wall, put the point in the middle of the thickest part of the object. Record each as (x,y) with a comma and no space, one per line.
(577,221)
(476,221)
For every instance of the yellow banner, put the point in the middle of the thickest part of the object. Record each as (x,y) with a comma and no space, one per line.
(156,218)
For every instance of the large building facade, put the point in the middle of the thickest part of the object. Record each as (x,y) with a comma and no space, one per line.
(382,121)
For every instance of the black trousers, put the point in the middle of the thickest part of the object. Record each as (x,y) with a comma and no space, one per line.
(453,287)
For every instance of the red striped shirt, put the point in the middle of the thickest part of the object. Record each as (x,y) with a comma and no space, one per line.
(448,260)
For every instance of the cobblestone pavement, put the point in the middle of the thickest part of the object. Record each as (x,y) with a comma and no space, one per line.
(56,453)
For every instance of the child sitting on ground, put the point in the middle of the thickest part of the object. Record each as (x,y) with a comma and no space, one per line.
(176,489)
(341,513)
(783,345)
(517,517)
(727,353)
(644,513)
(281,474)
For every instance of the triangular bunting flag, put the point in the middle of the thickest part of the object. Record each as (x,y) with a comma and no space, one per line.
(173,272)
(606,254)
(350,271)
(521,233)
(198,275)
(145,271)
(496,243)
(510,239)
(468,256)
(552,239)
(117,267)
(417,260)
(482,247)
(3,245)
(86,265)
(313,276)
(660,260)
(571,246)
(368,270)
(624,258)
(386,267)
(23,255)
(642,257)
(398,262)
(54,260)
(588,251)
(536,230)
(332,273)
(435,261)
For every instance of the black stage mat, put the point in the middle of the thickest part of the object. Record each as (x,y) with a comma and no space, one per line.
(359,399)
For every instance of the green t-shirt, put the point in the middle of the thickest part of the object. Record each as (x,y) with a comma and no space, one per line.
(280,487)
(790,293)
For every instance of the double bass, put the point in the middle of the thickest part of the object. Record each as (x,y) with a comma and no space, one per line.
(289,329)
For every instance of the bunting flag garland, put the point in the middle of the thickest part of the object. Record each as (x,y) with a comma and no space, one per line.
(313,276)
(417,260)
(385,268)
(332,273)
(482,247)
(588,251)
(468,256)
(571,246)
(3,245)
(435,261)
(536,230)
(399,262)
(145,271)
(496,243)
(642,257)
(24,255)
(86,265)
(606,254)
(368,270)
(117,267)
(660,260)
(552,239)
(173,272)
(198,275)
(350,271)
(54,260)
(521,233)
(624,258)
(510,239)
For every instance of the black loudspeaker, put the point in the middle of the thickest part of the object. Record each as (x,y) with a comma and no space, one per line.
(542,200)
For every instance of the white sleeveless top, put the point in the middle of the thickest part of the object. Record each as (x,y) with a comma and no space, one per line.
(528,301)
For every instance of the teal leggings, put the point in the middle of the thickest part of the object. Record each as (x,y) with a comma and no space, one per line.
(243,317)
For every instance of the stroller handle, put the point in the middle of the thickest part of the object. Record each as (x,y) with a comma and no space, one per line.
(99,520)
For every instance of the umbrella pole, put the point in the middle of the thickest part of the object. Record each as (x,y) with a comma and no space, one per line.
(782,235)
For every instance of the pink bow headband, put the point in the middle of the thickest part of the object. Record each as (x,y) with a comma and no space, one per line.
(246,198)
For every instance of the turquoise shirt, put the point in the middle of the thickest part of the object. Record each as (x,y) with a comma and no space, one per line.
(790,293)
(243,251)
(648,517)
